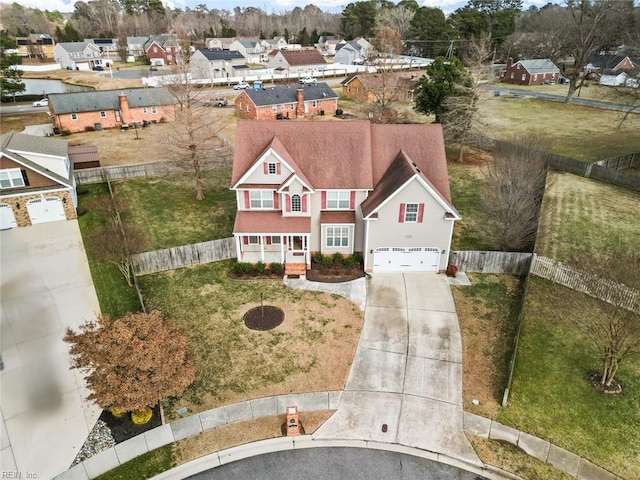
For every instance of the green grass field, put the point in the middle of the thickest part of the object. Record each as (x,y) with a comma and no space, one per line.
(585,133)
(550,395)
(167,211)
(145,466)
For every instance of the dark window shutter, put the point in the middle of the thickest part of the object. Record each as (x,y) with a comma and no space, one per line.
(352,200)
(247,200)
(265,168)
(420,212)
(278,168)
(304,203)
(323,199)
(401,213)
(25,177)
(245,240)
(276,201)
(268,240)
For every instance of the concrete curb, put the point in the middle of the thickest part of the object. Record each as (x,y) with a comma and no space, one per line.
(543,450)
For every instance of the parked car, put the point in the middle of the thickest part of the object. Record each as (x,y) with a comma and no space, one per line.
(154,68)
(242,85)
(218,102)
(43,102)
(98,68)
(308,80)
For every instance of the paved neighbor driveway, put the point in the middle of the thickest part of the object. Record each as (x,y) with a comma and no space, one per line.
(46,287)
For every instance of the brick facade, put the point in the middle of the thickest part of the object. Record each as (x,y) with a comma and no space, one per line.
(35,179)
(88,120)
(246,109)
(516,74)
(19,205)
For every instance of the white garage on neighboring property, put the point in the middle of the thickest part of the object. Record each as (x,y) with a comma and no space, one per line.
(43,210)
(406,259)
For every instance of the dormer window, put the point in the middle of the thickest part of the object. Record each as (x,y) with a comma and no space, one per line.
(296,203)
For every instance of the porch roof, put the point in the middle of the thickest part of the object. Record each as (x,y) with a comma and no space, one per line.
(270,222)
(338,217)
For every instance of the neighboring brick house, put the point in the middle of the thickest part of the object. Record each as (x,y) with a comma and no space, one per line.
(349,187)
(81,111)
(208,63)
(36,45)
(162,49)
(250,49)
(286,102)
(531,72)
(36,181)
(609,64)
(77,55)
(297,61)
(369,87)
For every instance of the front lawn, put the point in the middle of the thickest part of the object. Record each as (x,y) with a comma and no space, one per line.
(165,208)
(550,395)
(311,350)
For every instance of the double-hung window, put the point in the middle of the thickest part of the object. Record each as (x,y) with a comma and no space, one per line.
(11,177)
(337,236)
(338,199)
(411,213)
(261,199)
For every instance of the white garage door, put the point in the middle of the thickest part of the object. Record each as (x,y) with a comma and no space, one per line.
(7,218)
(44,210)
(399,259)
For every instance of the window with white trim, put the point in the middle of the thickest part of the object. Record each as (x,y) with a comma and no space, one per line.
(338,199)
(154,110)
(293,106)
(276,239)
(103,114)
(261,199)
(524,76)
(274,108)
(272,168)
(144,110)
(74,116)
(11,177)
(337,236)
(253,240)
(296,203)
(314,103)
(411,213)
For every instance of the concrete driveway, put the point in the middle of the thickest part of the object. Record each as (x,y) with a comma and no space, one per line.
(46,287)
(407,371)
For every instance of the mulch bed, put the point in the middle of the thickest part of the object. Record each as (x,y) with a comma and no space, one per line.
(263,318)
(123,428)
(334,274)
(256,276)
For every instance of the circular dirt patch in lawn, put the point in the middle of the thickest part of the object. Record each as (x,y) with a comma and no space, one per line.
(263,318)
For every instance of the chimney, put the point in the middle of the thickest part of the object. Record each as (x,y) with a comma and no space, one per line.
(509,62)
(125,113)
(300,106)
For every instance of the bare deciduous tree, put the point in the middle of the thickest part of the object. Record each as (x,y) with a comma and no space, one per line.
(516,181)
(132,362)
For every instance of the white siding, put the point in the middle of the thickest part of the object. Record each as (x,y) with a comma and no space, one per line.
(258,176)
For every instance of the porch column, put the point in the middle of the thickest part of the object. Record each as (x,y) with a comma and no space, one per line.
(261,242)
(282,259)
(307,255)
(238,248)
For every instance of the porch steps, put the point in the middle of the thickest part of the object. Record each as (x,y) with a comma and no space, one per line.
(295,269)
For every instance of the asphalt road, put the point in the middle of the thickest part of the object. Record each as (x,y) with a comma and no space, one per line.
(21,109)
(335,464)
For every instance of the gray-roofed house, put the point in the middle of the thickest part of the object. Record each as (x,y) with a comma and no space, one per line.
(378,190)
(275,43)
(286,102)
(351,53)
(77,55)
(36,181)
(215,63)
(135,47)
(162,49)
(82,111)
(250,49)
(531,72)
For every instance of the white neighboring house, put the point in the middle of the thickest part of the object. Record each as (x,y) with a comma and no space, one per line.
(135,47)
(251,50)
(77,55)
(210,63)
(275,43)
(614,80)
(222,43)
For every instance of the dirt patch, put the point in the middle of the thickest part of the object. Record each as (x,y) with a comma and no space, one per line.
(240,433)
(263,318)
(334,274)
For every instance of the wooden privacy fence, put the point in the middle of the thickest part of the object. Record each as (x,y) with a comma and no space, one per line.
(183,256)
(143,170)
(512,263)
(604,289)
(621,163)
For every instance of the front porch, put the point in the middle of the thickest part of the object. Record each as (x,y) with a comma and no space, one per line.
(291,250)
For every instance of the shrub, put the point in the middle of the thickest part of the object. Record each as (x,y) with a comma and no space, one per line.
(260,267)
(338,258)
(89,128)
(318,258)
(65,133)
(353,260)
(276,268)
(142,416)
(241,268)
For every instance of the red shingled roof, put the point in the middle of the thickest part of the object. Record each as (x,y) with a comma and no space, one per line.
(270,222)
(337,217)
(303,57)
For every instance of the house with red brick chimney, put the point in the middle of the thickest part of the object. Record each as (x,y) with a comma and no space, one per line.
(286,102)
(83,111)
(348,187)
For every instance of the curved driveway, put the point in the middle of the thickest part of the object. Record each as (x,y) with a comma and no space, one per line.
(405,384)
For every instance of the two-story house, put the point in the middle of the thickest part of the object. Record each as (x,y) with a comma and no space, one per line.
(135,48)
(77,55)
(210,63)
(103,109)
(222,43)
(286,102)
(36,45)
(275,43)
(36,181)
(162,49)
(250,49)
(379,190)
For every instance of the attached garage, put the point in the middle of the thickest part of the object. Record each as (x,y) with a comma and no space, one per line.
(43,210)
(406,259)
(7,218)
